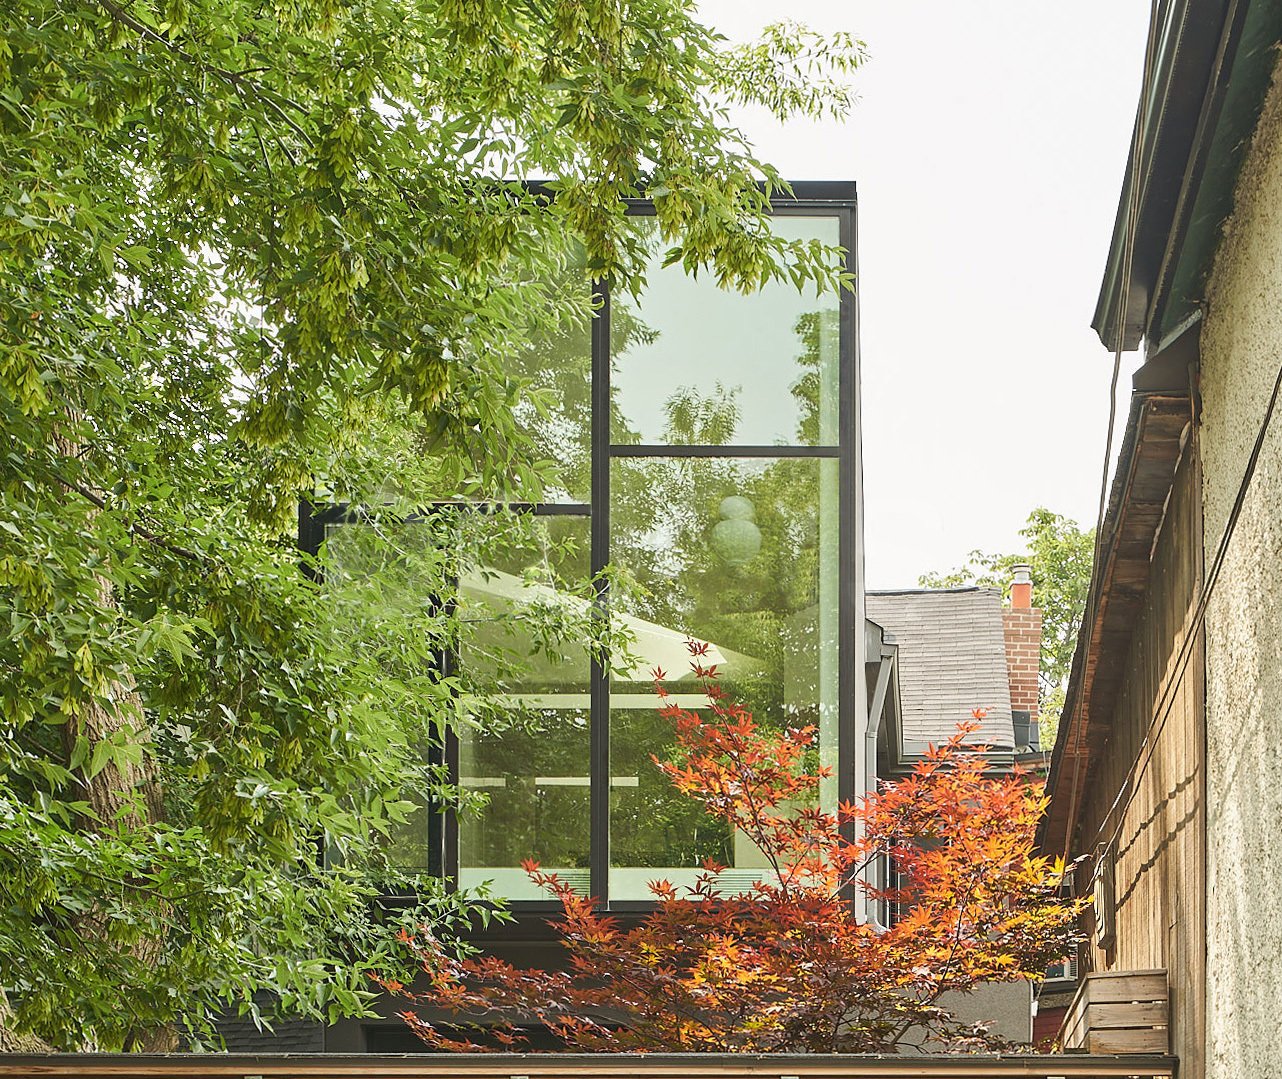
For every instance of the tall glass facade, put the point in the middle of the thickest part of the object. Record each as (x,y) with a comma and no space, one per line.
(707,447)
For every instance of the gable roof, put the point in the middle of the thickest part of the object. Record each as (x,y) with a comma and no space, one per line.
(952,659)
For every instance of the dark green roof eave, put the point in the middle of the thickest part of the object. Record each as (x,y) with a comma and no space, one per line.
(1209,76)
(1184,287)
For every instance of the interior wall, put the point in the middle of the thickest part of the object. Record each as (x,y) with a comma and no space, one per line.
(1241,352)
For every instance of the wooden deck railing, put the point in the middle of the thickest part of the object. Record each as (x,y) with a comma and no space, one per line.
(574,1066)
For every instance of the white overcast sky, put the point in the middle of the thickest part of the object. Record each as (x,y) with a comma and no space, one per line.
(989,146)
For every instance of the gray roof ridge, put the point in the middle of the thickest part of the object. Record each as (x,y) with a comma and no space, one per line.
(929,591)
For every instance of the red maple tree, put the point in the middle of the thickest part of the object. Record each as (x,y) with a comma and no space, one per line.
(791,965)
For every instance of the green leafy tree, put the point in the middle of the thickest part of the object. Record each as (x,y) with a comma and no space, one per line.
(253,254)
(1061,555)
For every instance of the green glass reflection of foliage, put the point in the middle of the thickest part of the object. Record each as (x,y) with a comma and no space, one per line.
(698,334)
(509,594)
(819,334)
(526,613)
(554,371)
(524,818)
(664,512)
(382,579)
(701,419)
(762,605)
(653,826)
(764,613)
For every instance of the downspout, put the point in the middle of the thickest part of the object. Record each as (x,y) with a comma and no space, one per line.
(889,654)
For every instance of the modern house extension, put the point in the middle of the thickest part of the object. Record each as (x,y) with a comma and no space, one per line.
(707,446)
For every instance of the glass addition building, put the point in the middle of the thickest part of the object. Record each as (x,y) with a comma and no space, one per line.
(707,446)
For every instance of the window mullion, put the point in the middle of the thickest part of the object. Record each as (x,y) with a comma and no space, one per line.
(599,798)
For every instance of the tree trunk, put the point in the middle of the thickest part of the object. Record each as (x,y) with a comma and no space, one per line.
(17,1043)
(114,789)
(130,794)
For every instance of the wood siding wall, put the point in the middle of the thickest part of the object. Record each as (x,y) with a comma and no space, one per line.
(1156,754)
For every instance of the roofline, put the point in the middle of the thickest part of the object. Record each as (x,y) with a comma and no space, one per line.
(929,591)
(1156,424)
(584,1065)
(805,194)
(1205,82)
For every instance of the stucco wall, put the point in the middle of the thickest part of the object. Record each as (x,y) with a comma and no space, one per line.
(1241,353)
(1008,1006)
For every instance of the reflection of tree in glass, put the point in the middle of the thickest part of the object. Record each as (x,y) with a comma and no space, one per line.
(763,611)
(525,616)
(508,593)
(556,402)
(818,332)
(695,419)
(525,818)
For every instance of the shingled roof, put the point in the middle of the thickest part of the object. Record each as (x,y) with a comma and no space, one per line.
(952,659)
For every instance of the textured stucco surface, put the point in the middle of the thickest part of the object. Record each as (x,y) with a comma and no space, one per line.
(1007,1006)
(1241,354)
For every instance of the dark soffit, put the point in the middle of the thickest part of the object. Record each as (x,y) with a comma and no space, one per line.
(1209,74)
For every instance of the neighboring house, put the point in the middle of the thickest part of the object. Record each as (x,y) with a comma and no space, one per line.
(955,650)
(934,656)
(1167,774)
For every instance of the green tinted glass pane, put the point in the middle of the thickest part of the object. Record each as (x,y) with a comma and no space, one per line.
(538,790)
(388,577)
(695,364)
(400,563)
(741,554)
(527,746)
(556,407)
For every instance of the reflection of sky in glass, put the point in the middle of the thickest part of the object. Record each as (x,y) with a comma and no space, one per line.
(748,343)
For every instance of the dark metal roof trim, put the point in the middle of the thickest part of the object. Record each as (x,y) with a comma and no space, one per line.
(1231,111)
(1188,37)
(1171,370)
(584,1066)
(1209,77)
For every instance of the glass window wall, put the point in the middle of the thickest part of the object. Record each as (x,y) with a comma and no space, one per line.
(695,364)
(523,745)
(742,554)
(703,444)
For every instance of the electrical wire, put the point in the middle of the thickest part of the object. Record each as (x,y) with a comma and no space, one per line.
(1128,256)
(1130,787)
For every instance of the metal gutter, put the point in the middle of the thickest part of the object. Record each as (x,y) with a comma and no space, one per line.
(1190,186)
(1190,38)
(885,675)
(1231,111)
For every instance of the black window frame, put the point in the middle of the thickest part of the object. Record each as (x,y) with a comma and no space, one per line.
(809,199)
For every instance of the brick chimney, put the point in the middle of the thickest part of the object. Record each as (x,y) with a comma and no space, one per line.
(1022,623)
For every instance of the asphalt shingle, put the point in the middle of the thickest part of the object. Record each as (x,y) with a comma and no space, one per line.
(952,659)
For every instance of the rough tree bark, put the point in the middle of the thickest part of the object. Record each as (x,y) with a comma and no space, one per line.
(11,1042)
(130,793)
